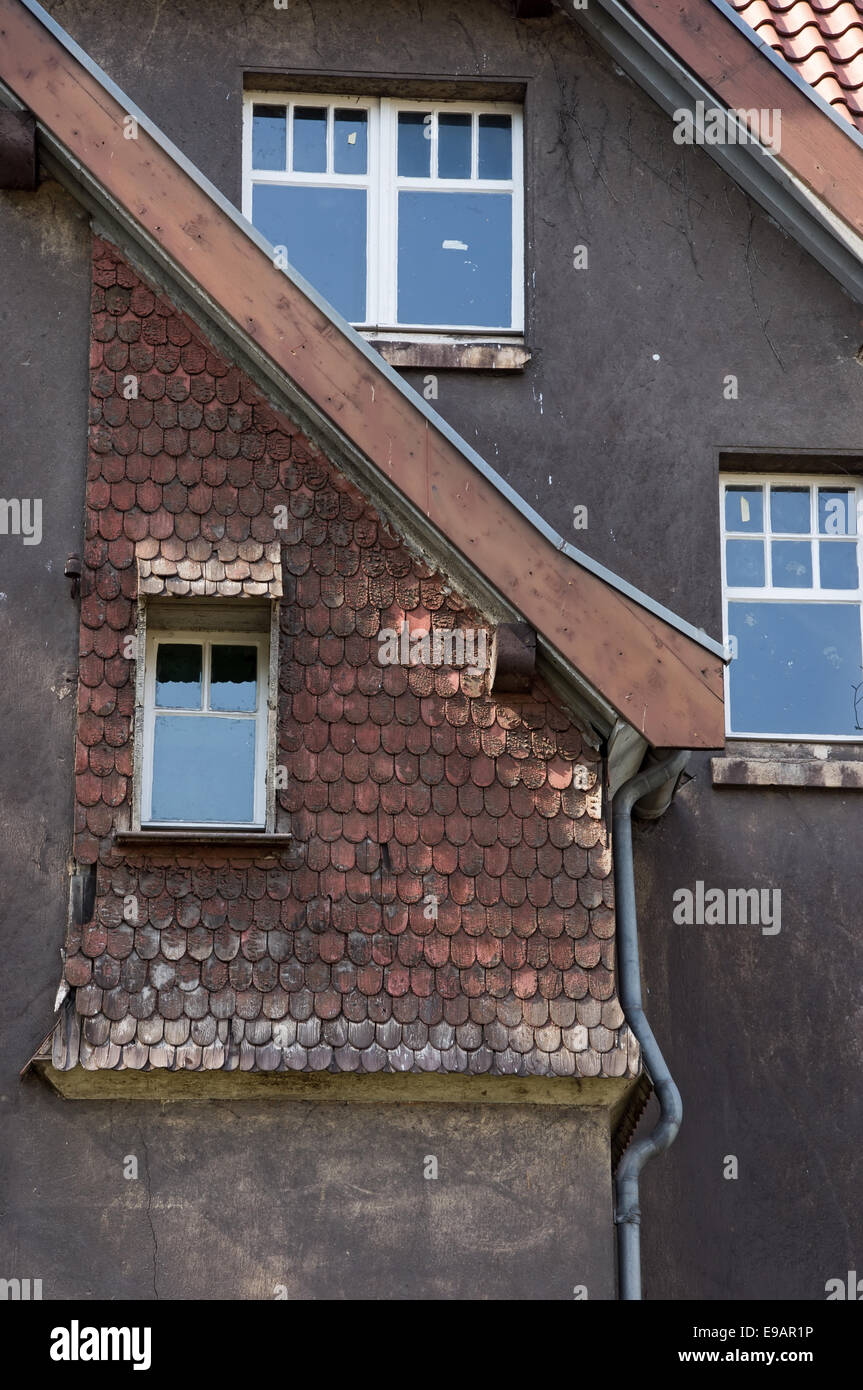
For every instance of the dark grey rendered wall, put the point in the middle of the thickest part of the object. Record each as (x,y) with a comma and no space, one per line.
(622,407)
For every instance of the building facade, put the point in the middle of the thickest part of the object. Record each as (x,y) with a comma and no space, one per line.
(361,1029)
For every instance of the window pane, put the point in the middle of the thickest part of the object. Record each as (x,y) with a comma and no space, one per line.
(789,509)
(744,564)
(233,678)
(203,768)
(178,676)
(838,564)
(455,259)
(836,512)
(414,144)
(792,565)
(269,129)
(796,667)
(744,509)
(453,146)
(310,139)
(350,141)
(324,230)
(495,147)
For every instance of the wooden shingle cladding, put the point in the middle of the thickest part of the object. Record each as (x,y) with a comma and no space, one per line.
(658,678)
(445,902)
(204,569)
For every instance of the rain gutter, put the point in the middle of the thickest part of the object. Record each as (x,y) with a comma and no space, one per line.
(655,781)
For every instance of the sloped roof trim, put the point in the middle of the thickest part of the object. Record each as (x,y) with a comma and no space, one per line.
(822,232)
(572,552)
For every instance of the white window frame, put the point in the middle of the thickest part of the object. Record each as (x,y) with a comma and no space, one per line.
(383,184)
(781,593)
(206,639)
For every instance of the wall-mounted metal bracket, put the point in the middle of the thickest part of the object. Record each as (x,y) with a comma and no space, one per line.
(72,571)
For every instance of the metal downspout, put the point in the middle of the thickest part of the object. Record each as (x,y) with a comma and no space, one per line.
(627,1214)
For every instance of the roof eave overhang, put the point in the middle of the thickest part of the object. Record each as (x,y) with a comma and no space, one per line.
(624,654)
(701,51)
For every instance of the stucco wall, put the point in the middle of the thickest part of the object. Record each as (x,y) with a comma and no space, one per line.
(329,1201)
(763,1035)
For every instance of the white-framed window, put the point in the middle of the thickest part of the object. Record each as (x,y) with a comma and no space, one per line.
(792,587)
(403,214)
(205,722)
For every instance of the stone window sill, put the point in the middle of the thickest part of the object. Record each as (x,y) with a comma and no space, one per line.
(831,767)
(451,356)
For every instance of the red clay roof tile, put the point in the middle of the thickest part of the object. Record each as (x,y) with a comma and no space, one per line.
(823,41)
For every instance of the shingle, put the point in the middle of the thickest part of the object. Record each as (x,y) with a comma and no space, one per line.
(402,783)
(175,1030)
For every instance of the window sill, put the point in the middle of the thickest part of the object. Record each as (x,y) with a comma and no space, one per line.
(797,765)
(264,838)
(451,356)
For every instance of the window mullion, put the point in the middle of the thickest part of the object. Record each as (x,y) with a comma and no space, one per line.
(517,299)
(768,553)
(246,200)
(205,678)
(375,221)
(388,215)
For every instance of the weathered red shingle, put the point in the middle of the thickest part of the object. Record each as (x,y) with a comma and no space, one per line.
(446,901)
